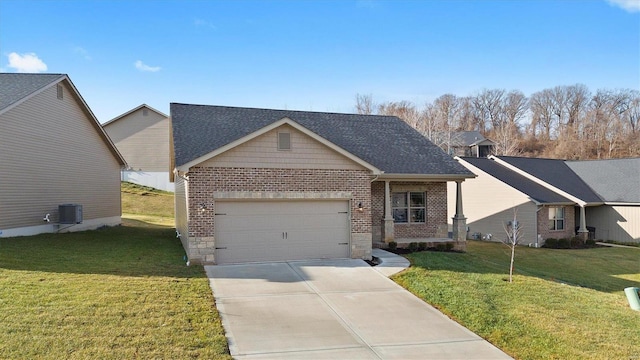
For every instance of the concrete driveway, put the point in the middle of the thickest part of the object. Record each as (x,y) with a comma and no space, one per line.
(333,309)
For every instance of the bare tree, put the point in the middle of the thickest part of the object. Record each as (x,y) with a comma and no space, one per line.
(542,111)
(488,105)
(514,233)
(364,104)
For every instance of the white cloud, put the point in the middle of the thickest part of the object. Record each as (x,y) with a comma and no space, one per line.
(25,63)
(204,23)
(82,52)
(144,67)
(628,5)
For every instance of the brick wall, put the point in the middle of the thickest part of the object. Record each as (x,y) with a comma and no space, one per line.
(436,210)
(436,217)
(377,210)
(204,181)
(569,224)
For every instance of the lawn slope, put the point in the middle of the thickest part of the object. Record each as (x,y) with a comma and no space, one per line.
(563,304)
(115,293)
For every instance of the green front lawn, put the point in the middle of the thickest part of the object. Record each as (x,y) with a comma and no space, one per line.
(563,304)
(116,293)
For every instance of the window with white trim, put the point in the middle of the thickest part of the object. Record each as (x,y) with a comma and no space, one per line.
(556,218)
(409,207)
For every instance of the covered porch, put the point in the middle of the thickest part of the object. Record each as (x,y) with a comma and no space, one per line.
(409,210)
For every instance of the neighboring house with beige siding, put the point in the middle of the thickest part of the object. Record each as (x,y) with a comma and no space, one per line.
(491,199)
(53,152)
(142,137)
(271,185)
(599,199)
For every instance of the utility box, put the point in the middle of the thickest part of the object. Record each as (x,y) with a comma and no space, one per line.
(70,214)
(633,295)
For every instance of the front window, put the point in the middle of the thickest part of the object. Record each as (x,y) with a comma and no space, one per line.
(556,218)
(408,207)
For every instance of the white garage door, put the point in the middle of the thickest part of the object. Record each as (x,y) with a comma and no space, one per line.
(281,230)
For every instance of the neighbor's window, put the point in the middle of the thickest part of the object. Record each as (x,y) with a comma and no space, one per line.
(284,141)
(408,207)
(556,218)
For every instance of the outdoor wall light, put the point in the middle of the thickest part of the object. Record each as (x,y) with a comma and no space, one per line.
(203,207)
(360,208)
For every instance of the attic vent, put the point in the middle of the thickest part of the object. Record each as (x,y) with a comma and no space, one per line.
(60,91)
(145,112)
(70,214)
(284,141)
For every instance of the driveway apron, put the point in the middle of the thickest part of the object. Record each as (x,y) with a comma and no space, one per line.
(333,309)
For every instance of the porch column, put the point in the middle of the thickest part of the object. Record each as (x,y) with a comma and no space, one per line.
(388,218)
(582,231)
(459,221)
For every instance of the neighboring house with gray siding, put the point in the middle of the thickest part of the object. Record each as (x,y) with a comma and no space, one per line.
(617,182)
(53,152)
(269,185)
(599,199)
(142,137)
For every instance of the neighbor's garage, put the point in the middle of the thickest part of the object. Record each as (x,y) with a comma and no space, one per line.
(281,230)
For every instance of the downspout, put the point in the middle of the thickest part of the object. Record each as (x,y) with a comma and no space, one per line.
(536,224)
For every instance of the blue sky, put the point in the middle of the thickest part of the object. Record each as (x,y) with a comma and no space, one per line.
(317,55)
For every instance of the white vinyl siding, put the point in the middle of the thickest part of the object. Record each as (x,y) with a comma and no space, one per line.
(262,152)
(618,223)
(488,203)
(51,154)
(142,140)
(281,230)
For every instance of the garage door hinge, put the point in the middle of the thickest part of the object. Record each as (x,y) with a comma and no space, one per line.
(221,248)
(343,243)
(220,214)
(343,212)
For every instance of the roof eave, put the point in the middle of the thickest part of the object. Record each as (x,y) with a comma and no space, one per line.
(426,177)
(132,111)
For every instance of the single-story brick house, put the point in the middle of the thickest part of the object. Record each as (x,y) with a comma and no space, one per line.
(551,199)
(269,185)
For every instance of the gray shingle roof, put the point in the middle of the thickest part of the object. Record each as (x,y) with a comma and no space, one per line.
(468,138)
(386,142)
(535,191)
(557,173)
(616,180)
(16,86)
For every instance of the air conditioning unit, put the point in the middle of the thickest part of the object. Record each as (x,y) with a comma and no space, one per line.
(70,214)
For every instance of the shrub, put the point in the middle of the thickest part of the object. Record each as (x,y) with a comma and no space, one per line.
(577,242)
(564,243)
(449,246)
(551,243)
(441,247)
(392,245)
(422,246)
(413,246)
(590,242)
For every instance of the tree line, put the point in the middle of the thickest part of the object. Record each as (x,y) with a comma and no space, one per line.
(565,122)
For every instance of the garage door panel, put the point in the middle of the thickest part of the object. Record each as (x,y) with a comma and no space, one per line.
(276,231)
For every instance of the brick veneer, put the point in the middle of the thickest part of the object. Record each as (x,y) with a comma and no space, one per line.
(436,210)
(205,181)
(569,224)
